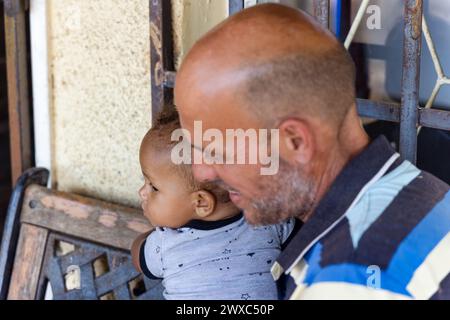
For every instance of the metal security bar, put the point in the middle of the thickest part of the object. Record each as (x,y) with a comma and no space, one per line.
(322,12)
(412,46)
(161,55)
(442,79)
(408,113)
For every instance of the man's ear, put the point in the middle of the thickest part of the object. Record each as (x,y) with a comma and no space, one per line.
(203,202)
(296,141)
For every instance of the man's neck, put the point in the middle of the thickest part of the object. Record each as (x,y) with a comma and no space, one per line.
(352,140)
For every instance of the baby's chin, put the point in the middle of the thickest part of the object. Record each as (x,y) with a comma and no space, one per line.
(148,217)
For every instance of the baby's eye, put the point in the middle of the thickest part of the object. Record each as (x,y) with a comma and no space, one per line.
(152,187)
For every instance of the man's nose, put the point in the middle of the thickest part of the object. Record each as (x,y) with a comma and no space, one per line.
(204,172)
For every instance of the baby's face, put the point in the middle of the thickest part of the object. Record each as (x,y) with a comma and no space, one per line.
(165,198)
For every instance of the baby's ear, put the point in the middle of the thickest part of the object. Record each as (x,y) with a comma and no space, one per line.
(203,202)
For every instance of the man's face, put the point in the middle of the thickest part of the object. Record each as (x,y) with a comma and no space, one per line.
(265,199)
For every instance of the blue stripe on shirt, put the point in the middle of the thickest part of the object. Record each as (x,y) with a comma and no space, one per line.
(414,249)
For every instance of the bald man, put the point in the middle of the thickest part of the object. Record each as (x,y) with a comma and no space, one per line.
(375,226)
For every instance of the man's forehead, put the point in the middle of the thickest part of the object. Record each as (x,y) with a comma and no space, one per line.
(200,84)
(210,113)
(217,103)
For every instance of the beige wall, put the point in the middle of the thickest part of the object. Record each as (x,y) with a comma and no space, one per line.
(99,53)
(100,105)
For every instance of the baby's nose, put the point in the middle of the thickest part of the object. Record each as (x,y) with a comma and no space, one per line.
(142,193)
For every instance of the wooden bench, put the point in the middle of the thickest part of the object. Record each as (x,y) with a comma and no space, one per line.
(64,246)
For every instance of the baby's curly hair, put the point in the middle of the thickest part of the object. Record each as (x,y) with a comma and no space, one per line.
(160,136)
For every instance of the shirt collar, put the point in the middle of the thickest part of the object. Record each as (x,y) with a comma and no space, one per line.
(210,225)
(355,175)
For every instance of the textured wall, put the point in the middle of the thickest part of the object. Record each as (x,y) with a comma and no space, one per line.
(100,67)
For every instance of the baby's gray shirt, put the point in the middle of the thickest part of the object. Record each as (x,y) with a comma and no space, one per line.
(219,260)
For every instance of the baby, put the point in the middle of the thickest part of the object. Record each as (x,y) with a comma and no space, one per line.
(201,247)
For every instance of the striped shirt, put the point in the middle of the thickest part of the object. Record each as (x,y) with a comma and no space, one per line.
(382,231)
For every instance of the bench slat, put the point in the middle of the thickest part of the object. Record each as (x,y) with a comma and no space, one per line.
(27,263)
(83,217)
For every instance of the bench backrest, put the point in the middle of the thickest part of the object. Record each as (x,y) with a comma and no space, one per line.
(72,247)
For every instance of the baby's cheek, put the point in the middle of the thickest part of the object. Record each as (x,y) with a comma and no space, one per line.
(154,204)
(149,213)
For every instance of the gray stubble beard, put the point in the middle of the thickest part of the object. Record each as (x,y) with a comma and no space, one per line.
(288,194)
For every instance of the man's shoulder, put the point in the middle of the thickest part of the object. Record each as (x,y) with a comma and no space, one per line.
(394,235)
(419,205)
(412,213)
(407,243)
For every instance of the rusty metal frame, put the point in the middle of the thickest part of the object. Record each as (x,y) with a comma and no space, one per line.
(18,88)
(322,12)
(161,55)
(412,46)
(442,79)
(161,52)
(408,113)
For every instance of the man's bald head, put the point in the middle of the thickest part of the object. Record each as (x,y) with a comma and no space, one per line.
(277,61)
